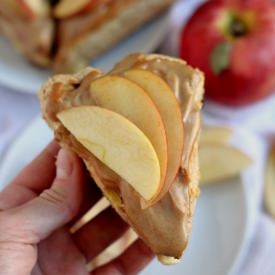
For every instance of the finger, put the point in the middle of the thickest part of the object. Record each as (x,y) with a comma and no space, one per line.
(92,194)
(37,176)
(99,233)
(64,258)
(55,207)
(132,261)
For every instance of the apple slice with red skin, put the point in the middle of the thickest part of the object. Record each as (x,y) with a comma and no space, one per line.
(169,109)
(118,143)
(125,97)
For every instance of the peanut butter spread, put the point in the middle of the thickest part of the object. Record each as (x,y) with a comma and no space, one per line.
(165,226)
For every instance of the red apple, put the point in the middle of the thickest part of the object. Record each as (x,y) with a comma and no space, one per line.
(233,42)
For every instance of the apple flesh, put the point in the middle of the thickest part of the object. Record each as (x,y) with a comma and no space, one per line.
(233,43)
(34,8)
(68,8)
(170,112)
(118,143)
(219,162)
(114,250)
(216,134)
(125,97)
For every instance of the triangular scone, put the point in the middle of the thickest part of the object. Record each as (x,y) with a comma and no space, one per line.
(165,226)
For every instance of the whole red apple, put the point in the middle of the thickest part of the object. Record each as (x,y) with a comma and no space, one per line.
(233,42)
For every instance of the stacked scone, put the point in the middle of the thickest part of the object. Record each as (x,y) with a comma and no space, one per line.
(66,34)
(29,26)
(137,129)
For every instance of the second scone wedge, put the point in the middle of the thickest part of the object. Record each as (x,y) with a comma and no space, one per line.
(163,219)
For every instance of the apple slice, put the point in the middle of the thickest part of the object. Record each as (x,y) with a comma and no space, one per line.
(125,97)
(118,143)
(100,206)
(170,112)
(216,134)
(34,8)
(219,162)
(269,190)
(68,8)
(114,250)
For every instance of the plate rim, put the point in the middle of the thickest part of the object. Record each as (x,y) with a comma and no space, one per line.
(239,258)
(246,232)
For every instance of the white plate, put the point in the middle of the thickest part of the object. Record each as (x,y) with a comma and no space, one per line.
(18,74)
(221,221)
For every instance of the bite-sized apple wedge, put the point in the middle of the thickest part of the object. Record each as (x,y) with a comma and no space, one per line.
(125,97)
(216,134)
(100,206)
(68,8)
(118,143)
(34,8)
(269,190)
(170,112)
(114,250)
(219,162)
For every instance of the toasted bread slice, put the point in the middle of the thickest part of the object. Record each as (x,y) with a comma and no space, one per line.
(164,226)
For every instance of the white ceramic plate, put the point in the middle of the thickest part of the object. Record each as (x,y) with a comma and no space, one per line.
(18,74)
(220,225)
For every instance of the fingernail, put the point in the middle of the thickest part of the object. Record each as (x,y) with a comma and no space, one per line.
(64,164)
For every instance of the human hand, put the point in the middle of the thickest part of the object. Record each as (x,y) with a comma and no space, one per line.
(37,209)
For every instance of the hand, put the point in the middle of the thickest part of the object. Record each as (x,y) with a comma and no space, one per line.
(37,209)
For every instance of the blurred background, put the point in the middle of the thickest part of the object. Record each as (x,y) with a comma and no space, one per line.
(231,41)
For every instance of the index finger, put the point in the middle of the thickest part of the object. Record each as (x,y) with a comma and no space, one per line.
(32,180)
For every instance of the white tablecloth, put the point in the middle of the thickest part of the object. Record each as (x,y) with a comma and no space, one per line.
(17,110)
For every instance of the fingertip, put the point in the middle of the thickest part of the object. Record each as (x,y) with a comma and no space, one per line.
(70,178)
(65,164)
(68,165)
(53,147)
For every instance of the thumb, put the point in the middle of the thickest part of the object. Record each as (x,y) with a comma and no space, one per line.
(55,207)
